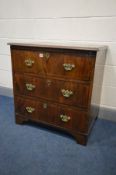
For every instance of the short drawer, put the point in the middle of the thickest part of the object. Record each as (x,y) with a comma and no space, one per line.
(34,109)
(27,108)
(65,92)
(70,64)
(52,113)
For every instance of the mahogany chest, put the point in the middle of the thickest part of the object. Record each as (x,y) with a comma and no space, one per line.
(58,86)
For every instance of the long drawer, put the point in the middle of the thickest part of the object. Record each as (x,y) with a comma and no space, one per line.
(79,65)
(65,92)
(52,113)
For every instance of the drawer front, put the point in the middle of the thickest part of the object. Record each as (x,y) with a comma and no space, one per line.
(65,92)
(71,65)
(34,110)
(55,114)
(27,108)
(70,118)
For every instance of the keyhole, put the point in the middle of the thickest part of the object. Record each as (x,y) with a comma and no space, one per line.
(49,82)
(45,105)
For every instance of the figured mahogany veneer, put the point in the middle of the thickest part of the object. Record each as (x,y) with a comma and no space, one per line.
(53,66)
(50,113)
(52,89)
(56,86)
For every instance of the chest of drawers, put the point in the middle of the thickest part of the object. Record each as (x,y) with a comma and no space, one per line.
(56,86)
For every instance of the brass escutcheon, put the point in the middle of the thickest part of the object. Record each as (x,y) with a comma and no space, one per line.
(46,55)
(45,105)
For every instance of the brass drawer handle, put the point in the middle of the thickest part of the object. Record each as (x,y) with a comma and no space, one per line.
(66,93)
(30,87)
(30,109)
(29,62)
(65,118)
(68,67)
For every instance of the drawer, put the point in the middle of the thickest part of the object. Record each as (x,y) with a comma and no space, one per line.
(65,92)
(79,65)
(52,113)
(27,108)
(34,110)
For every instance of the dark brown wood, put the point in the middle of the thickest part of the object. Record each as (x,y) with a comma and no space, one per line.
(53,66)
(45,102)
(80,138)
(51,89)
(50,112)
(19,119)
